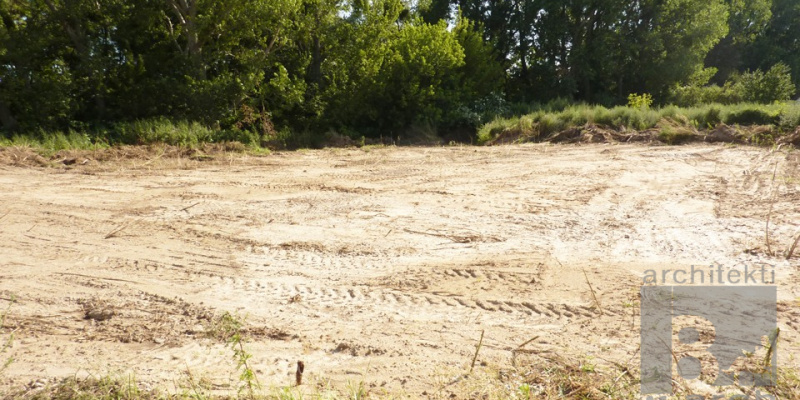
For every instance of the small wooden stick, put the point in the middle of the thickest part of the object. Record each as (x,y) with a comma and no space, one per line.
(594,296)
(298,376)
(115,232)
(186,208)
(794,245)
(771,206)
(477,349)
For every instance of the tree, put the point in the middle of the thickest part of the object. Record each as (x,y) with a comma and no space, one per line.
(747,20)
(780,41)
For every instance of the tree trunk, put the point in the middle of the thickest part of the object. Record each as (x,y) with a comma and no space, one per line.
(186,13)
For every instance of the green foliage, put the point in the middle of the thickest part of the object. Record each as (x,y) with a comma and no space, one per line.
(674,124)
(123,70)
(162,130)
(752,116)
(675,134)
(767,87)
(778,42)
(775,85)
(643,101)
(691,95)
(229,328)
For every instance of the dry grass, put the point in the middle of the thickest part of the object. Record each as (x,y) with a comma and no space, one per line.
(756,124)
(560,377)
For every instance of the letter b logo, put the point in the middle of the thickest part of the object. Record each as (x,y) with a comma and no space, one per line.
(740,316)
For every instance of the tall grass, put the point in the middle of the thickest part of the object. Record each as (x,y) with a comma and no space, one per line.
(541,123)
(54,141)
(140,132)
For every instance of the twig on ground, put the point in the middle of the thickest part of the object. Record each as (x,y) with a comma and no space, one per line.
(594,296)
(454,238)
(115,232)
(520,349)
(95,277)
(477,349)
(771,205)
(186,208)
(526,343)
(794,246)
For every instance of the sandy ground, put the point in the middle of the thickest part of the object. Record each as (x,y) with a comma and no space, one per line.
(380,266)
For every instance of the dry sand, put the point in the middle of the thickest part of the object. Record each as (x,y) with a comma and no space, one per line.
(380,266)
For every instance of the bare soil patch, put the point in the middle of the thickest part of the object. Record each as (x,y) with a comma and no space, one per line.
(375,265)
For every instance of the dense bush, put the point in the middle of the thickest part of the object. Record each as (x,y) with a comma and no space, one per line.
(755,87)
(375,67)
(767,87)
(540,123)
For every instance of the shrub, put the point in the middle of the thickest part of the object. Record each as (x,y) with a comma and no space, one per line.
(711,117)
(675,124)
(756,87)
(790,118)
(751,116)
(774,85)
(640,101)
(162,130)
(550,123)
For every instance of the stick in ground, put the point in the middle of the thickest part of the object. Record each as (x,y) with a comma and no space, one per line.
(298,376)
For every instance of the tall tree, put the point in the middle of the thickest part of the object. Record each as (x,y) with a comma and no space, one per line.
(747,20)
(780,41)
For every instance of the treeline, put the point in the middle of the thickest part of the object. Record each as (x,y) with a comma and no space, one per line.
(300,68)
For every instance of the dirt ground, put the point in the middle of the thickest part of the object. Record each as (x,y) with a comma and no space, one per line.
(375,265)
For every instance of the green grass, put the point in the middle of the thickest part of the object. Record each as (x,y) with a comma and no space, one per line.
(140,132)
(539,124)
(51,142)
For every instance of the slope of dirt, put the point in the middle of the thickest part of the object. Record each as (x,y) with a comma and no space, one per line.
(382,266)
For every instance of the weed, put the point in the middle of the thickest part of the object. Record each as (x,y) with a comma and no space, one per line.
(227,327)
(525,392)
(105,388)
(5,343)
(357,390)
(558,377)
(288,394)
(788,384)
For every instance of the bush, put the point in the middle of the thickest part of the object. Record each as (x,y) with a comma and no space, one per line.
(675,124)
(751,116)
(711,117)
(790,118)
(756,87)
(641,101)
(688,96)
(675,131)
(774,85)
(161,130)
